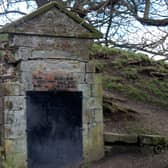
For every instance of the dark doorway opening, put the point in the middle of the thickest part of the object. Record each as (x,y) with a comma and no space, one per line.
(54,122)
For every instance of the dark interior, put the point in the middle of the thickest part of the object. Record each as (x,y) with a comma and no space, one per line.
(54,122)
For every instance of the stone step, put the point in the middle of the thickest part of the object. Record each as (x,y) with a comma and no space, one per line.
(123,138)
(141,139)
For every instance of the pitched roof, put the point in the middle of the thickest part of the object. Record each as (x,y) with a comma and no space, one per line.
(11,28)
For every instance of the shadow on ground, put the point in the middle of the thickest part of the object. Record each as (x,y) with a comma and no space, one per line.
(132,157)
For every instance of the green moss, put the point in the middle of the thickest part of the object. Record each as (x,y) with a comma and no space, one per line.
(9,105)
(4,37)
(1,53)
(13,160)
(10,164)
(158,140)
(6,90)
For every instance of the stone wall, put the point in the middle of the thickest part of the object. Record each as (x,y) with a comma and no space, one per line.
(1,113)
(9,107)
(58,23)
(37,47)
(47,63)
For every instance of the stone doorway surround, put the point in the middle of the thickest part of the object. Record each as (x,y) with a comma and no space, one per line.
(41,53)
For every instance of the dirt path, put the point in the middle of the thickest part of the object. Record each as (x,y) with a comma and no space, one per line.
(132,159)
(151,119)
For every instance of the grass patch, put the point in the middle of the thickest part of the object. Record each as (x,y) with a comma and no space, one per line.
(134,75)
(1,53)
(120,62)
(158,91)
(112,83)
(116,84)
(135,93)
(103,50)
(100,66)
(130,73)
(152,91)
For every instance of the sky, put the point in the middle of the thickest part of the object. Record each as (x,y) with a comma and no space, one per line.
(22,6)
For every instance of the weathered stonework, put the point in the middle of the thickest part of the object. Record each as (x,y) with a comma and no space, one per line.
(61,48)
(49,63)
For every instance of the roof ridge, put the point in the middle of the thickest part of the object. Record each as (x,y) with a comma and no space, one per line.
(9,28)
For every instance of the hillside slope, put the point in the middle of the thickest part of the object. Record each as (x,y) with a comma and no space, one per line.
(135,91)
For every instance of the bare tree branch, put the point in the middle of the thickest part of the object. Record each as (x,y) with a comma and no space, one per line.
(153,22)
(147,8)
(12,11)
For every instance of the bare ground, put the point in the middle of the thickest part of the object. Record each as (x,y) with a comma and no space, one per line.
(132,159)
(150,119)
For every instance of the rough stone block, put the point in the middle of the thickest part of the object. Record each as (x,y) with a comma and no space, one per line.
(94,78)
(92,102)
(51,54)
(14,103)
(93,115)
(52,66)
(23,53)
(92,109)
(15,124)
(98,114)
(15,117)
(69,45)
(125,138)
(80,78)
(16,145)
(96,90)
(86,90)
(15,153)
(90,67)
(94,143)
(90,78)
(15,130)
(152,140)
(13,89)
(26,79)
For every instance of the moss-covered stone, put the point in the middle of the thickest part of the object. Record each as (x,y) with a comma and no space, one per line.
(1,53)
(4,37)
(9,105)
(123,138)
(152,140)
(6,90)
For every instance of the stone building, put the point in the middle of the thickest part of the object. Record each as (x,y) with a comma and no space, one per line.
(50,94)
